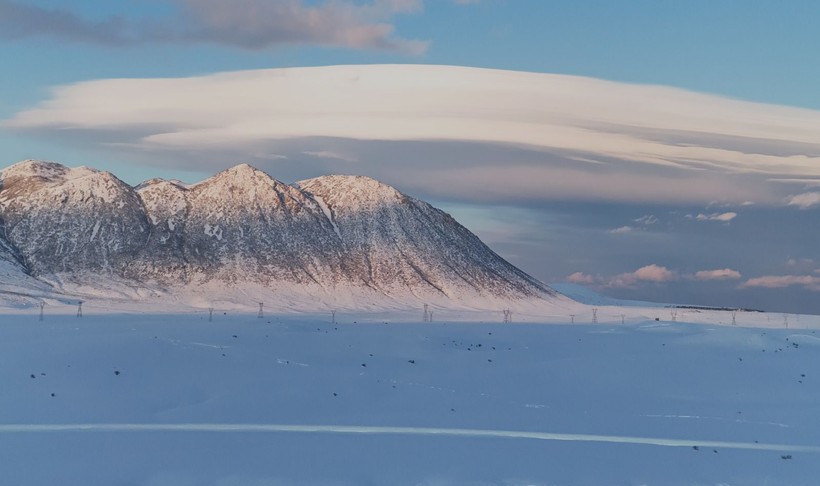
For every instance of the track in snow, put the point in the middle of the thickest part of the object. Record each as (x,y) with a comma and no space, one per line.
(367,430)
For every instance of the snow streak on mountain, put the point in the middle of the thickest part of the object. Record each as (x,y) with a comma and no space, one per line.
(241,234)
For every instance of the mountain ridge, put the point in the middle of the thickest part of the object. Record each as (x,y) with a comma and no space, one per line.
(336,240)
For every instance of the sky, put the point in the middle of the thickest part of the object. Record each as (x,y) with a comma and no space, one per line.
(651,150)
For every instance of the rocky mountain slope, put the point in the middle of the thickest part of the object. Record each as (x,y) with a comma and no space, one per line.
(243,234)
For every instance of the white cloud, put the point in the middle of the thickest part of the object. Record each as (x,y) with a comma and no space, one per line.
(649,273)
(647,220)
(724,217)
(805,200)
(780,281)
(718,274)
(582,278)
(621,230)
(563,135)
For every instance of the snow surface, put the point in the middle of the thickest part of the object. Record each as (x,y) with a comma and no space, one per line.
(179,400)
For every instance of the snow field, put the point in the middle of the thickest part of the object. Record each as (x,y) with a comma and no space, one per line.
(680,385)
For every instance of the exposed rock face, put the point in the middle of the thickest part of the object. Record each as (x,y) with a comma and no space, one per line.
(69,221)
(241,226)
(395,242)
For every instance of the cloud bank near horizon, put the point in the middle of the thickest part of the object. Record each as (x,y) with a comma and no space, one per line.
(546,135)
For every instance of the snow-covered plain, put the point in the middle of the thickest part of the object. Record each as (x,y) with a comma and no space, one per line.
(149,399)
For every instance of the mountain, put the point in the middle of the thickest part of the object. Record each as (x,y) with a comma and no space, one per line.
(70,221)
(346,241)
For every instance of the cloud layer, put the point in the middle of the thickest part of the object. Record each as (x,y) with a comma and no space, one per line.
(545,135)
(248,24)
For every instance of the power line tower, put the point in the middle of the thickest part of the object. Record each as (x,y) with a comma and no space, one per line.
(734,318)
(261,313)
(623,319)
(210,314)
(595,315)
(507,316)
(572,318)
(333,317)
(42,304)
(428,316)
(674,313)
(80,308)
(786,321)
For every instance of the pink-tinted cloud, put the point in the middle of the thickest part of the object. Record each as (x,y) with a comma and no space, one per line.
(582,278)
(718,274)
(258,24)
(781,281)
(248,24)
(650,273)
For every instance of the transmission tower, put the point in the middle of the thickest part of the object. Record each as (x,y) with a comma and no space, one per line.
(427,317)
(572,318)
(210,314)
(42,304)
(507,316)
(261,314)
(595,315)
(674,314)
(333,317)
(623,319)
(734,318)
(80,308)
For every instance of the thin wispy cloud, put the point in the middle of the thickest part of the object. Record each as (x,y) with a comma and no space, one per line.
(722,217)
(800,263)
(326,154)
(18,21)
(646,220)
(718,274)
(247,24)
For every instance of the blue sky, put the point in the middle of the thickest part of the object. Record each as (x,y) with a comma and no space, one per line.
(728,218)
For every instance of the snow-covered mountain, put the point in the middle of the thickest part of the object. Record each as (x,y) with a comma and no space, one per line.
(241,234)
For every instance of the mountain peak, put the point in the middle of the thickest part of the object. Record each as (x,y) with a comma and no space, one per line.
(349,190)
(35,168)
(242,175)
